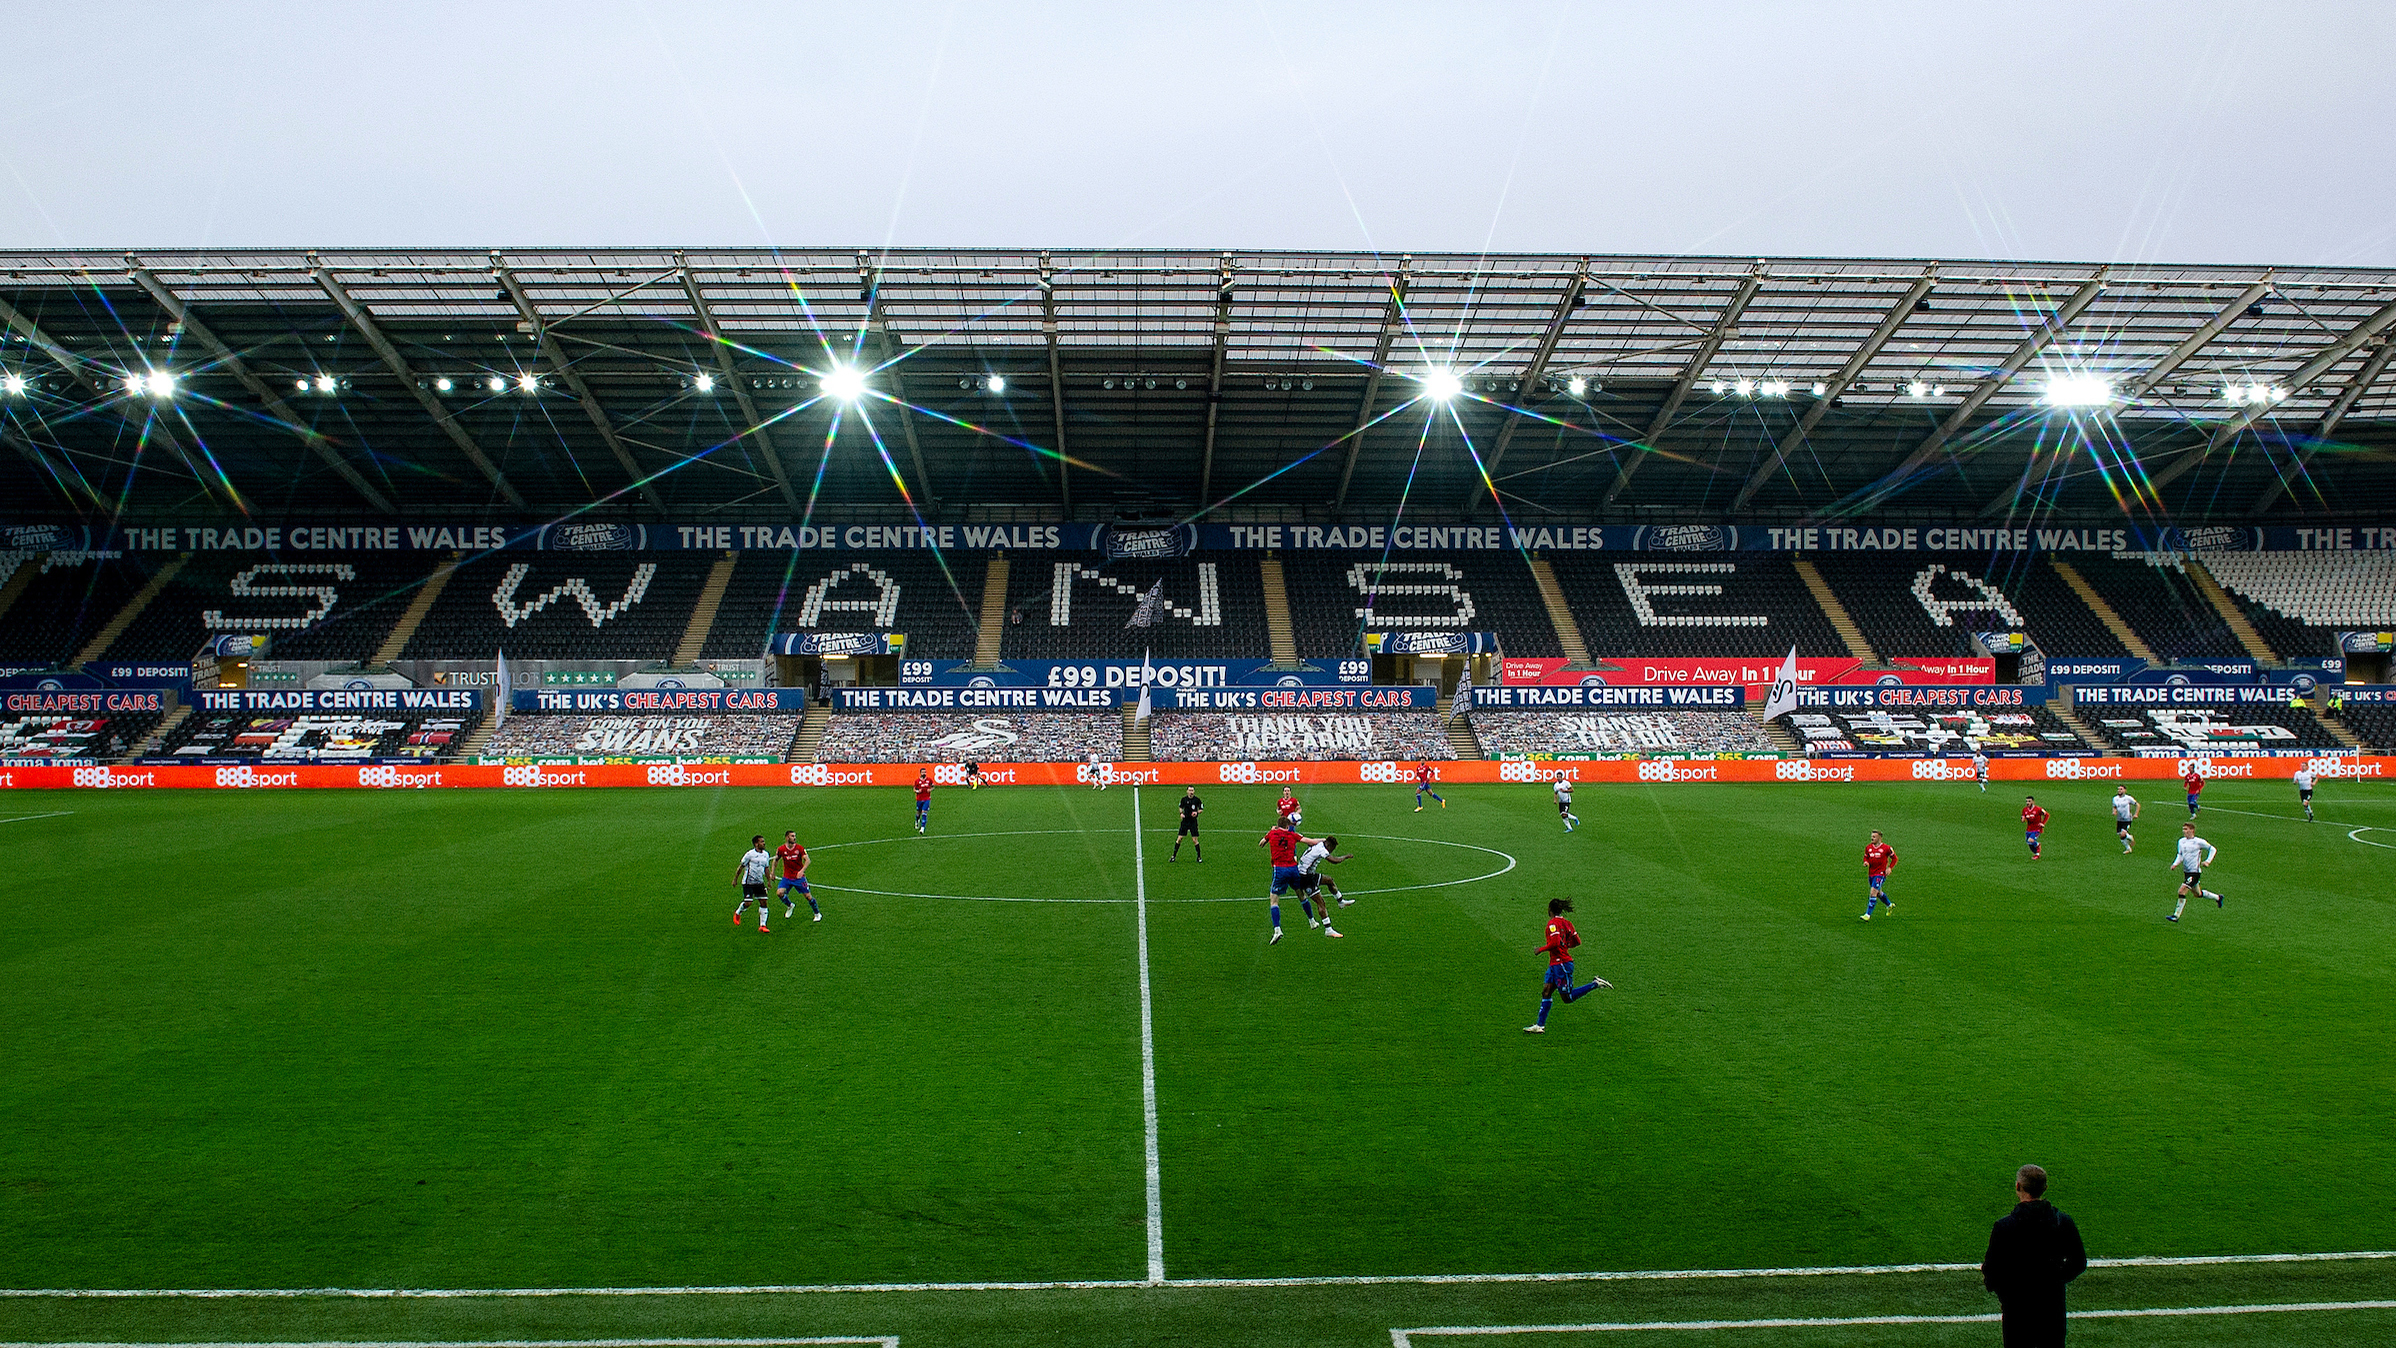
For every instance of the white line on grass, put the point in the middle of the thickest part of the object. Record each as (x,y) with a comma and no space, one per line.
(54,814)
(885,1340)
(1511,863)
(1156,1195)
(2356,836)
(1403,1338)
(1109,1284)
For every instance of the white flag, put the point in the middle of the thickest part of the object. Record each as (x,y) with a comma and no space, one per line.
(1464,691)
(1784,688)
(1143,712)
(504,693)
(1151,610)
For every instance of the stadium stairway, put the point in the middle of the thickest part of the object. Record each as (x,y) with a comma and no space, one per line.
(994,614)
(2066,713)
(1781,736)
(2230,613)
(413,618)
(1279,632)
(479,738)
(811,733)
(2335,729)
(711,598)
(2104,611)
(18,579)
(1462,742)
(1135,735)
(124,618)
(157,736)
(1840,620)
(1568,628)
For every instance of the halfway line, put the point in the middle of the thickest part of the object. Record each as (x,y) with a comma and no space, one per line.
(1156,1197)
(54,814)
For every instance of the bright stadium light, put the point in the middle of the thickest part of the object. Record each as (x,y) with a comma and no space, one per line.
(442,385)
(704,383)
(299,385)
(326,383)
(2078,390)
(158,384)
(1576,386)
(1746,388)
(13,385)
(1717,387)
(843,382)
(1442,385)
(1776,388)
(1820,388)
(1917,389)
(495,384)
(528,385)
(995,383)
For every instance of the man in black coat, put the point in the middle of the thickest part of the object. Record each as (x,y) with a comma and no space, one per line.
(2032,1252)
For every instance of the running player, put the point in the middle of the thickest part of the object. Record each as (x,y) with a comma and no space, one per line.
(973,776)
(923,800)
(794,875)
(2034,822)
(1287,808)
(1980,768)
(1282,843)
(1422,787)
(2192,857)
(2125,813)
(1190,806)
(1879,860)
(1561,938)
(2304,791)
(2194,781)
(751,874)
(1101,771)
(1312,882)
(1564,803)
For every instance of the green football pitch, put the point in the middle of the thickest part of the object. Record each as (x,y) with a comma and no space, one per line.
(461,1040)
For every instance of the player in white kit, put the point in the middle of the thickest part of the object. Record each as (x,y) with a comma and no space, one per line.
(1980,768)
(2192,856)
(2304,791)
(751,874)
(1564,804)
(1312,882)
(1101,771)
(2125,812)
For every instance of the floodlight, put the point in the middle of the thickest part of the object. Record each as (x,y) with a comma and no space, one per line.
(2078,390)
(495,384)
(326,383)
(704,383)
(442,385)
(527,384)
(1576,386)
(1938,390)
(1442,385)
(1746,388)
(159,384)
(996,383)
(13,385)
(299,385)
(844,382)
(1717,386)
(1776,388)
(1917,389)
(2256,393)
(1820,388)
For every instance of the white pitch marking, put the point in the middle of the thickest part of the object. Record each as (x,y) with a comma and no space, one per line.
(1511,863)
(885,1340)
(2355,836)
(2299,819)
(1109,1284)
(1156,1194)
(1403,1338)
(54,814)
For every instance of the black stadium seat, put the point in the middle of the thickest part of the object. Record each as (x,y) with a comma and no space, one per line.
(1659,603)
(564,606)
(1330,591)
(66,604)
(935,605)
(1898,600)
(1075,606)
(325,606)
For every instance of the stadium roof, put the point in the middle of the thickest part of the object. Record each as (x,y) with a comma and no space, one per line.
(1162,382)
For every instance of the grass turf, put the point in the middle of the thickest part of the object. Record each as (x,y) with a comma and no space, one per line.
(511,1039)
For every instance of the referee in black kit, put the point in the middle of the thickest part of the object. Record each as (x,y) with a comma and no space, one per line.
(2032,1252)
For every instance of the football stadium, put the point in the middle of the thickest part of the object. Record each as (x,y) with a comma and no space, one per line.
(663,795)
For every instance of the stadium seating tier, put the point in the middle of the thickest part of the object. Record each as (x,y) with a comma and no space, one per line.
(1336,596)
(1078,606)
(1693,605)
(933,598)
(563,606)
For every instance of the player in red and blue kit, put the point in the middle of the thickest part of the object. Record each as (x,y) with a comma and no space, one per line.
(1422,787)
(1561,938)
(2034,822)
(923,800)
(1879,858)
(2194,781)
(794,875)
(1283,844)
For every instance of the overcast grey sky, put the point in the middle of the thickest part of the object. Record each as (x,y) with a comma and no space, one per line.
(2193,130)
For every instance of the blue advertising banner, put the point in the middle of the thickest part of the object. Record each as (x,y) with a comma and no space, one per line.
(840,643)
(338,699)
(1430,643)
(2377,694)
(1413,697)
(2101,669)
(1923,697)
(1128,674)
(977,699)
(734,701)
(2367,643)
(2181,695)
(1543,696)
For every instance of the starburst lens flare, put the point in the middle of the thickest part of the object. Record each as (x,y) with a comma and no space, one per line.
(13,385)
(704,383)
(156,383)
(995,383)
(1442,385)
(843,382)
(2078,390)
